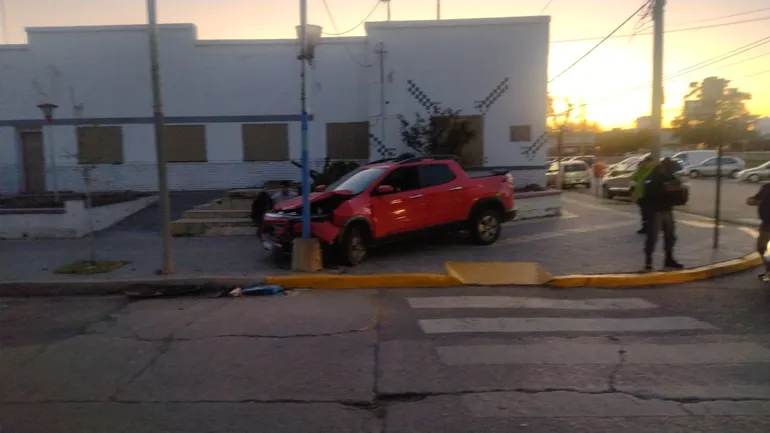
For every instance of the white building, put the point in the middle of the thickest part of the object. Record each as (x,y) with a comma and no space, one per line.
(762,126)
(232,106)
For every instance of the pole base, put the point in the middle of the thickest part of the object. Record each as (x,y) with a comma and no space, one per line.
(306,255)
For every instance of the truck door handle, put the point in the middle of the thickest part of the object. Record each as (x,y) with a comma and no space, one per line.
(416,196)
(457,188)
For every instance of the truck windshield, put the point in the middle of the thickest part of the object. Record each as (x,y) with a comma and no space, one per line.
(357,180)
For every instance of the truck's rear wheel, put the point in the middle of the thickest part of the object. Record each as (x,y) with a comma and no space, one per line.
(485,227)
(353,246)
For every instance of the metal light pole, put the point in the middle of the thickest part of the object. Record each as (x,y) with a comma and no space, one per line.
(160,147)
(657,78)
(309,35)
(48,109)
(718,201)
(438,9)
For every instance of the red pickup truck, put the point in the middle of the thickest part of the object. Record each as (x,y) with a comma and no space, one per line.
(393,199)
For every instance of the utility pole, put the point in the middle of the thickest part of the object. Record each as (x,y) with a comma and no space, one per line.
(438,9)
(4,21)
(387,5)
(582,126)
(160,145)
(560,145)
(383,102)
(657,77)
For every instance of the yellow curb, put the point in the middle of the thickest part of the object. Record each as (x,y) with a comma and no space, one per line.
(374,281)
(658,278)
(498,273)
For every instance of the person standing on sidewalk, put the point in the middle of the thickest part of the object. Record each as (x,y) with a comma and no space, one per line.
(762,201)
(662,191)
(642,171)
(598,169)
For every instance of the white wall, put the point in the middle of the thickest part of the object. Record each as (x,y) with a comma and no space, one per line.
(459,62)
(107,70)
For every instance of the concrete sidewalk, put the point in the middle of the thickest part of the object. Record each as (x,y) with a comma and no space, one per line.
(589,238)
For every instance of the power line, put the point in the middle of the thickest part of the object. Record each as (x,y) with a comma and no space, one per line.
(336,29)
(686,29)
(690,69)
(729,16)
(752,75)
(326,6)
(602,41)
(546,6)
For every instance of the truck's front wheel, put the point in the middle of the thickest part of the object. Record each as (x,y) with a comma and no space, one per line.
(353,246)
(485,227)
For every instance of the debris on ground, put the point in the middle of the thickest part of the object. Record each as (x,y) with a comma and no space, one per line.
(205,290)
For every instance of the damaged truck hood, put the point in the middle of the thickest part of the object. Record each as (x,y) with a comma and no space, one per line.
(333,198)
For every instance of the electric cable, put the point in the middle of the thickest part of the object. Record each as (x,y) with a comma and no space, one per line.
(336,29)
(687,70)
(753,11)
(546,6)
(328,11)
(601,42)
(751,75)
(686,29)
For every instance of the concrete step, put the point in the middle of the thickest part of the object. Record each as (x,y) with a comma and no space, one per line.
(197,227)
(227,203)
(206,214)
(231,231)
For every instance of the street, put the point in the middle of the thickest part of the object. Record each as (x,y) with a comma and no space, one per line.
(691,358)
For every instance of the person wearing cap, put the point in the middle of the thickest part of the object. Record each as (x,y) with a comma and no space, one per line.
(642,171)
(662,191)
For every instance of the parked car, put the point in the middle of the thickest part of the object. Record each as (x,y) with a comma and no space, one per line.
(393,199)
(731,166)
(618,183)
(574,173)
(588,159)
(631,160)
(694,157)
(755,174)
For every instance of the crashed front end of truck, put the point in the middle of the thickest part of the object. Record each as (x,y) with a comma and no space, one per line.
(283,224)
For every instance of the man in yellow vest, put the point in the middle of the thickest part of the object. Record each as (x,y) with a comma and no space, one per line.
(642,172)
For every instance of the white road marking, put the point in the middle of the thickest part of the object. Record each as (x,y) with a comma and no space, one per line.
(525,302)
(575,353)
(560,324)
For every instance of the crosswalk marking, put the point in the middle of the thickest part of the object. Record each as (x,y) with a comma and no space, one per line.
(532,303)
(576,353)
(561,324)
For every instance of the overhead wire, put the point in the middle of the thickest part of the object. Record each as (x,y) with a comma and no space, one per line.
(548,3)
(646,4)
(752,75)
(374,9)
(753,11)
(687,70)
(336,29)
(686,29)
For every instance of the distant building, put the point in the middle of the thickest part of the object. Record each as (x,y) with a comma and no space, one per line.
(575,143)
(762,126)
(644,122)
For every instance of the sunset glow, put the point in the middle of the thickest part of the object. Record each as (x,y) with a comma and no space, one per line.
(613,80)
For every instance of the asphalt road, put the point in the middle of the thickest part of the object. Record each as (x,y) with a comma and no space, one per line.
(693,358)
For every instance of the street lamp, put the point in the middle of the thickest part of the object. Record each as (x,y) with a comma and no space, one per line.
(48,110)
(309,35)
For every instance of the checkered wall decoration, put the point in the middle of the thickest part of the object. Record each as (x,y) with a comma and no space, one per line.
(531,151)
(485,104)
(420,96)
(380,148)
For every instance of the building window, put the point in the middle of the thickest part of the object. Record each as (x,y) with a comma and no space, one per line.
(521,133)
(100,145)
(347,140)
(265,142)
(185,143)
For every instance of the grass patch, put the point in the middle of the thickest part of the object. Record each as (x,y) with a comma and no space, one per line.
(87,267)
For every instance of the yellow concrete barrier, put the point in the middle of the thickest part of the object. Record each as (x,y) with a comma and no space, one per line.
(657,278)
(498,273)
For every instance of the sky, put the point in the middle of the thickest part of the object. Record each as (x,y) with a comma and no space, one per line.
(613,81)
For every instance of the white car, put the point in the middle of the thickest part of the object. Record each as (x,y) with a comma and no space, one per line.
(730,166)
(755,174)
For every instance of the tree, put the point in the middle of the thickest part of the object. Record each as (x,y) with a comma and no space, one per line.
(716,116)
(445,132)
(554,121)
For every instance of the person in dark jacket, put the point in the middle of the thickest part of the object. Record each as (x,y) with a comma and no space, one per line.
(762,201)
(259,207)
(662,190)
